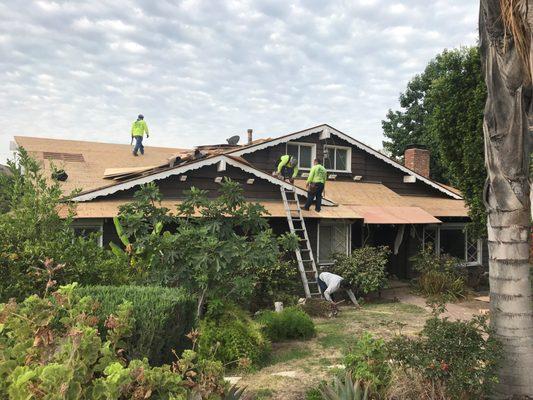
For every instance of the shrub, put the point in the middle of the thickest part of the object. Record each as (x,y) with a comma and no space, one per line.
(441,277)
(163,316)
(364,269)
(51,348)
(458,357)
(291,323)
(367,362)
(277,282)
(33,231)
(229,335)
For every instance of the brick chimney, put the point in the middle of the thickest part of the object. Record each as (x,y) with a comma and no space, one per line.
(416,157)
(250,131)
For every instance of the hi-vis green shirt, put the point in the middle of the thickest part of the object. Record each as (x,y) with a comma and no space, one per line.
(139,128)
(318,174)
(284,161)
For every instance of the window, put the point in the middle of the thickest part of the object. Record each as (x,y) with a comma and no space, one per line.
(86,229)
(304,152)
(452,239)
(337,158)
(332,238)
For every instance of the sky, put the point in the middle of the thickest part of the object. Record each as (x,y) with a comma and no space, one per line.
(202,71)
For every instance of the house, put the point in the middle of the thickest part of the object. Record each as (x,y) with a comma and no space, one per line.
(370,199)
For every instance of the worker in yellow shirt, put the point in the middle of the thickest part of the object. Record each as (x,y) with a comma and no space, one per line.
(287,167)
(315,185)
(138,129)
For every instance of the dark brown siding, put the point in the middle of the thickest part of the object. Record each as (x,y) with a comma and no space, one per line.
(371,168)
(204,178)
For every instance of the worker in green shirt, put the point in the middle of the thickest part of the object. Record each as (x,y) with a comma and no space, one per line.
(315,185)
(288,167)
(138,129)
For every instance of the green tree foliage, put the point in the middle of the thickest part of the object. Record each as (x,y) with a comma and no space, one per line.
(365,268)
(214,249)
(51,348)
(32,231)
(442,108)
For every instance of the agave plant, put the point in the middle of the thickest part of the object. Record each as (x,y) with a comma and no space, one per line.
(236,393)
(345,389)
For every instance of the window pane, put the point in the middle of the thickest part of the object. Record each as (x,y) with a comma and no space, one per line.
(332,240)
(325,250)
(292,150)
(341,159)
(452,242)
(305,157)
(329,158)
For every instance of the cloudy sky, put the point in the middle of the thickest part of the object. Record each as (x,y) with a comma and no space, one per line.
(201,71)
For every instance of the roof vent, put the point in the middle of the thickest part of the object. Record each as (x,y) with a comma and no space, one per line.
(232,141)
(68,157)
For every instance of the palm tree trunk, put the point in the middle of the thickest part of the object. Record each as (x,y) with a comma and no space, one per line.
(505,128)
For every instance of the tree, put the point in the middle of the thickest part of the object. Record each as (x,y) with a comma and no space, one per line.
(213,248)
(443,109)
(32,232)
(505,32)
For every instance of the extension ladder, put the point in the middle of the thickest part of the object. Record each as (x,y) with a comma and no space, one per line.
(304,252)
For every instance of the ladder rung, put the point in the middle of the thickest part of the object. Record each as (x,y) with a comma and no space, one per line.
(305,249)
(300,230)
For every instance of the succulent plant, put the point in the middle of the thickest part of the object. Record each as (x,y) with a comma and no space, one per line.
(345,389)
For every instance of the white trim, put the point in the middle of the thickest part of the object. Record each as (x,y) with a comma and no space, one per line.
(91,223)
(189,167)
(304,144)
(221,166)
(349,139)
(348,158)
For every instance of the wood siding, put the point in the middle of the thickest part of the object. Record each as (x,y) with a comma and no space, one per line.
(204,178)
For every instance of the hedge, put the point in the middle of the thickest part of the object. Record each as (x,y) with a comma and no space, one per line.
(163,316)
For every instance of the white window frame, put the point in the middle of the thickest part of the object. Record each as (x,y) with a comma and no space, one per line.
(299,144)
(348,157)
(92,223)
(331,222)
(455,226)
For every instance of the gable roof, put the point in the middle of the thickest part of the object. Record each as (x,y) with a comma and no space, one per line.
(325,128)
(221,159)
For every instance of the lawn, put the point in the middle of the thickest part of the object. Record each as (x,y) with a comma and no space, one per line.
(303,364)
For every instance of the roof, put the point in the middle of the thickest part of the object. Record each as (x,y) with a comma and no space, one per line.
(438,207)
(97,157)
(326,130)
(104,208)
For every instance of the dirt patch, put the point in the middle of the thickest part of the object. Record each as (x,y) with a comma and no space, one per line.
(310,362)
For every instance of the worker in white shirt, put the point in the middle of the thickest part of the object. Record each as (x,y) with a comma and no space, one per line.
(330,283)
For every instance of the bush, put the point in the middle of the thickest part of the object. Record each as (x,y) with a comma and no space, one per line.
(33,231)
(291,323)
(163,316)
(368,362)
(51,348)
(441,277)
(229,335)
(277,282)
(364,269)
(458,357)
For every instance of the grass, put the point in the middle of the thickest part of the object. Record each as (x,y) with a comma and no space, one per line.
(317,359)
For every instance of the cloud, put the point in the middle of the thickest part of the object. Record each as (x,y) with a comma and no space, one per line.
(201,71)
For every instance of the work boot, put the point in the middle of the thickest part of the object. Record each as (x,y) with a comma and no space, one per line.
(135,154)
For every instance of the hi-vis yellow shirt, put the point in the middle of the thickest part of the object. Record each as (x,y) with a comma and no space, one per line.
(139,128)
(318,174)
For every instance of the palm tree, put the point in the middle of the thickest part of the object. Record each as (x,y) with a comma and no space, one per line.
(505,37)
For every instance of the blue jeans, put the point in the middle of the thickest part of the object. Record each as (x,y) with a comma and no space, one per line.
(138,145)
(317,194)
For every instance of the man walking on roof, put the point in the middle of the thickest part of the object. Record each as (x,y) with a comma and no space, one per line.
(288,167)
(138,129)
(315,185)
